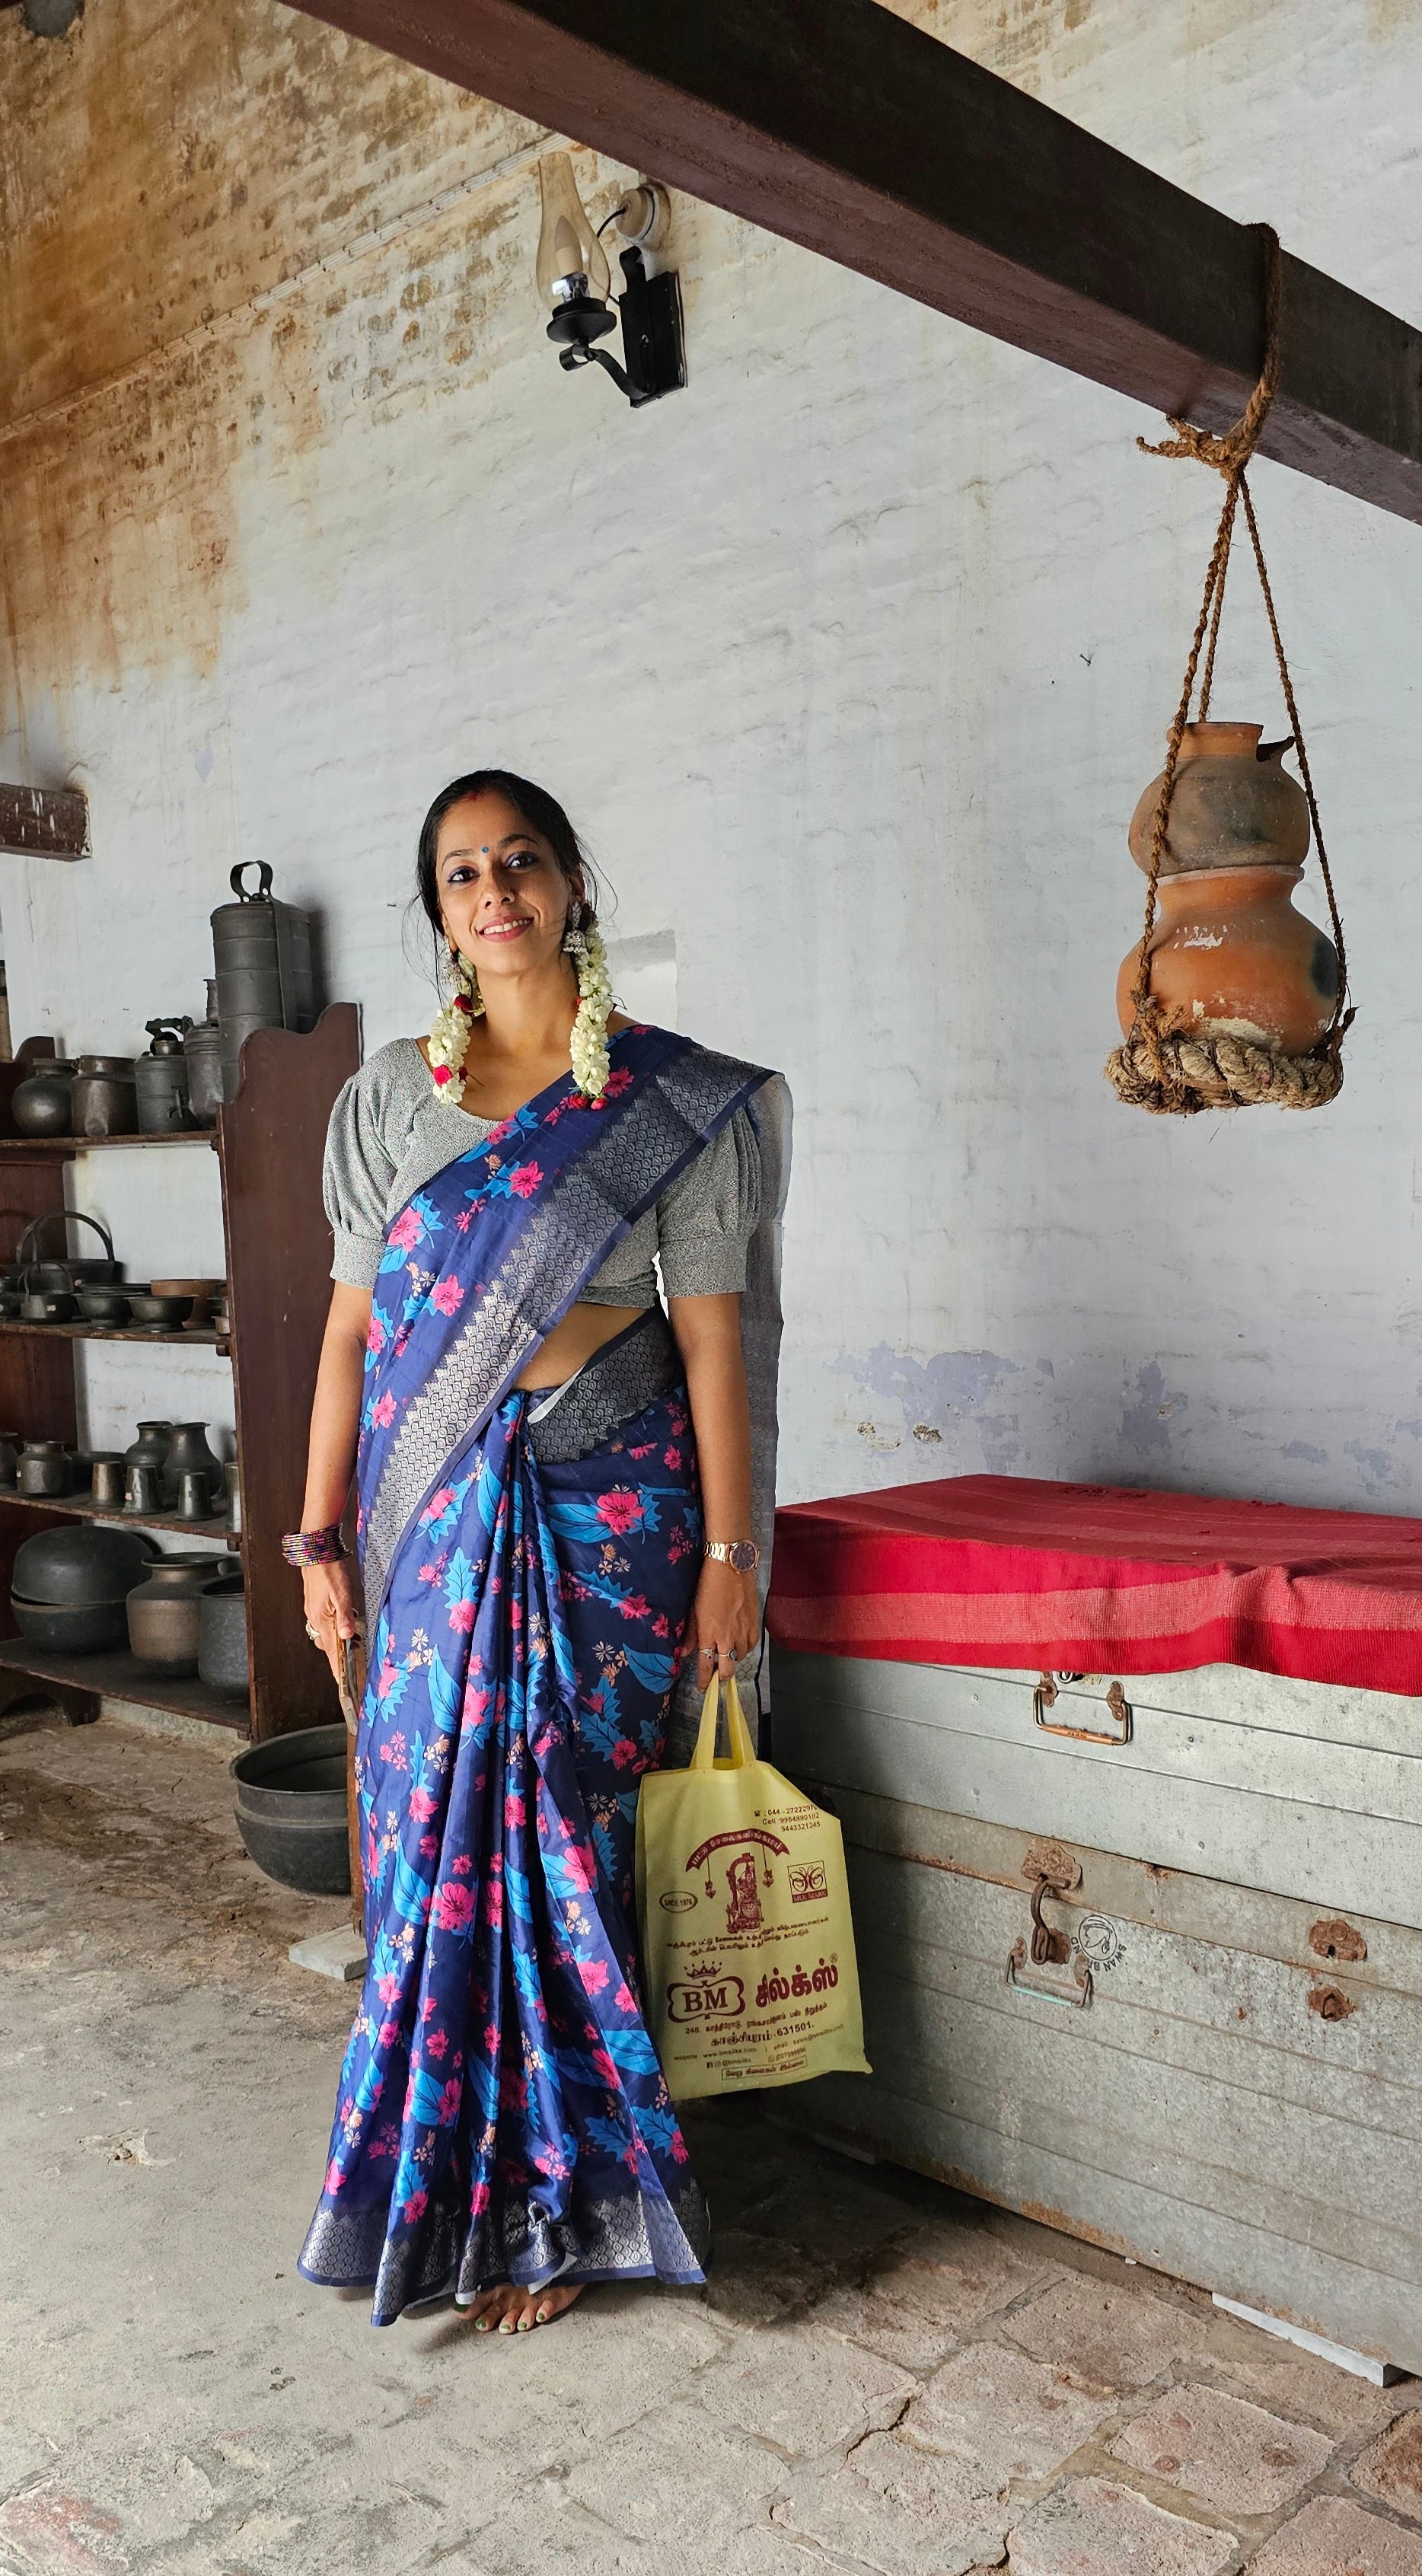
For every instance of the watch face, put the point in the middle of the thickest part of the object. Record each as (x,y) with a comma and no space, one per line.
(744,1555)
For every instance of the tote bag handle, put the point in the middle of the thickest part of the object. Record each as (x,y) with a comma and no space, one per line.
(742,1749)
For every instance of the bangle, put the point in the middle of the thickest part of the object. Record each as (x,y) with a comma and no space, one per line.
(313,1547)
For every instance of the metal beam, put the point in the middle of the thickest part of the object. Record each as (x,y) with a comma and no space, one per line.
(38,824)
(840,126)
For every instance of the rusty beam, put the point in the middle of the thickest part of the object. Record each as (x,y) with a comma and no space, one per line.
(37,823)
(844,128)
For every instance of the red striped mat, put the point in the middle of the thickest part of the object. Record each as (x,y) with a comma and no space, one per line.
(1016,1571)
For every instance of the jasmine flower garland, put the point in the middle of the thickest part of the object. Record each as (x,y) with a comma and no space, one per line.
(588,1046)
(448,1042)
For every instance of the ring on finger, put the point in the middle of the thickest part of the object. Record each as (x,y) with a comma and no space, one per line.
(313,1633)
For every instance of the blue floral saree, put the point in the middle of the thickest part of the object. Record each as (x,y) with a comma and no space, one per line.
(529,1570)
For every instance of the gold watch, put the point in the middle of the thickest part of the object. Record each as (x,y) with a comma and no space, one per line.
(742,1553)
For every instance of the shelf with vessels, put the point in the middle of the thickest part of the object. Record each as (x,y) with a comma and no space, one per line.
(78,1507)
(269,1141)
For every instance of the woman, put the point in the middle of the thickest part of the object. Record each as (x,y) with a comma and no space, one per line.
(556,1506)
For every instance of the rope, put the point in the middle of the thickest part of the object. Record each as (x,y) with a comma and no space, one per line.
(1231,450)
(1173,1075)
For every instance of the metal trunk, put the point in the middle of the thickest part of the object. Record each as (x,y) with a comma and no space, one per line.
(1163,1991)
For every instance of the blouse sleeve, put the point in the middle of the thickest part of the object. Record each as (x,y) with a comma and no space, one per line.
(356,1181)
(706,1219)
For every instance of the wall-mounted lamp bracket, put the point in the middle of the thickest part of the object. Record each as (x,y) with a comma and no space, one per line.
(653,342)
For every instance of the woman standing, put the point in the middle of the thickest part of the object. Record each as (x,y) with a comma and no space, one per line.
(561,1492)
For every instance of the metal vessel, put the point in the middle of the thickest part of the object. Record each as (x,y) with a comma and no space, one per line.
(265,977)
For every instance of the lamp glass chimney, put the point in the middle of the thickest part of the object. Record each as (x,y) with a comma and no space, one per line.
(567,245)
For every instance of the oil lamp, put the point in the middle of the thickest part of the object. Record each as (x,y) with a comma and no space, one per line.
(574,277)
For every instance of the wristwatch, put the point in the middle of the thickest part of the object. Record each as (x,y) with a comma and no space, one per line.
(742,1553)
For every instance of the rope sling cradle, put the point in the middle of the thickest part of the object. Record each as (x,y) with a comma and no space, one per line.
(1157,1068)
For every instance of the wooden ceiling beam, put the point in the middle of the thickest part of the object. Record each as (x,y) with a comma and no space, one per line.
(840,126)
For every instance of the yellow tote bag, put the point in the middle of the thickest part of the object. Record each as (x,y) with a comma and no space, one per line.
(747,1941)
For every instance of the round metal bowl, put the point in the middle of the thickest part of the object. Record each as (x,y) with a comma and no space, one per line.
(291,1809)
(78,1567)
(148,1309)
(102,1305)
(71,1627)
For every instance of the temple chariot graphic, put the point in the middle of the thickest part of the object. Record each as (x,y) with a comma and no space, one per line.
(744,1873)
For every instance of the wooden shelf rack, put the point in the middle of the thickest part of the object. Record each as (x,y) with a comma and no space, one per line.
(269,1143)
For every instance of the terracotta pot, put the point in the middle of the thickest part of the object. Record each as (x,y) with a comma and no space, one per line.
(1231,958)
(1235,805)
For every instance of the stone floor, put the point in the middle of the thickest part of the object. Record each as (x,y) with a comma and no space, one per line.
(881,2375)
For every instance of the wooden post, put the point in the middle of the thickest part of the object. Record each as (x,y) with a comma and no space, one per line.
(839,125)
(279,1249)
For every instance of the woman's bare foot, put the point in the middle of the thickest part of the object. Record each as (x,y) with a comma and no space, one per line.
(511,2310)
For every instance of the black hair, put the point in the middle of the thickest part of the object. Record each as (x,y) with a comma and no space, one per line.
(540,811)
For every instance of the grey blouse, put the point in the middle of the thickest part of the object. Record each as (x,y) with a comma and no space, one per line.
(390,1132)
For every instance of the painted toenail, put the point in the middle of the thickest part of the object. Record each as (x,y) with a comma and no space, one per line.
(506,2325)
(481,2325)
(524,2323)
(542,2317)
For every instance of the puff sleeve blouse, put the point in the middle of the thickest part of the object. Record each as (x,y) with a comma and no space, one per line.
(390,1132)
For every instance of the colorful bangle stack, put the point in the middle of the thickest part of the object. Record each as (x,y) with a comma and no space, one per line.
(313,1547)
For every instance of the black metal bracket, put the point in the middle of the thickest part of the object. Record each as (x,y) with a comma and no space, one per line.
(653,341)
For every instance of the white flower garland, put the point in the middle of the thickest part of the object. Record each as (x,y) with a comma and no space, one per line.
(448,1042)
(588,1045)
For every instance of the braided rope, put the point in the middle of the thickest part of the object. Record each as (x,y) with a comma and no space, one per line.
(1168,1074)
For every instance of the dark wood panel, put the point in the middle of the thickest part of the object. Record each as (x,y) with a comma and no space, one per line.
(272,1140)
(41,823)
(36,1364)
(842,127)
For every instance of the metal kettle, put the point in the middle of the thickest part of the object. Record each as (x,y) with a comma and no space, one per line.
(161,1078)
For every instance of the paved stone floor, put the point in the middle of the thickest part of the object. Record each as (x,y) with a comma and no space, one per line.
(881,2375)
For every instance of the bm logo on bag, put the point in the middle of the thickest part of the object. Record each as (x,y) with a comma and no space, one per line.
(709,1998)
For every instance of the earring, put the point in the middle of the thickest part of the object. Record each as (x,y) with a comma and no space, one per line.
(574,941)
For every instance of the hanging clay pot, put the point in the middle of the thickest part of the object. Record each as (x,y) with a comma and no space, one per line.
(1230,957)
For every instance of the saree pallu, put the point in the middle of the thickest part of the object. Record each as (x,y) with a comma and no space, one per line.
(502,2114)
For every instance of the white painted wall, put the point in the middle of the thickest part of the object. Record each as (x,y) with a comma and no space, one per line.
(851,661)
